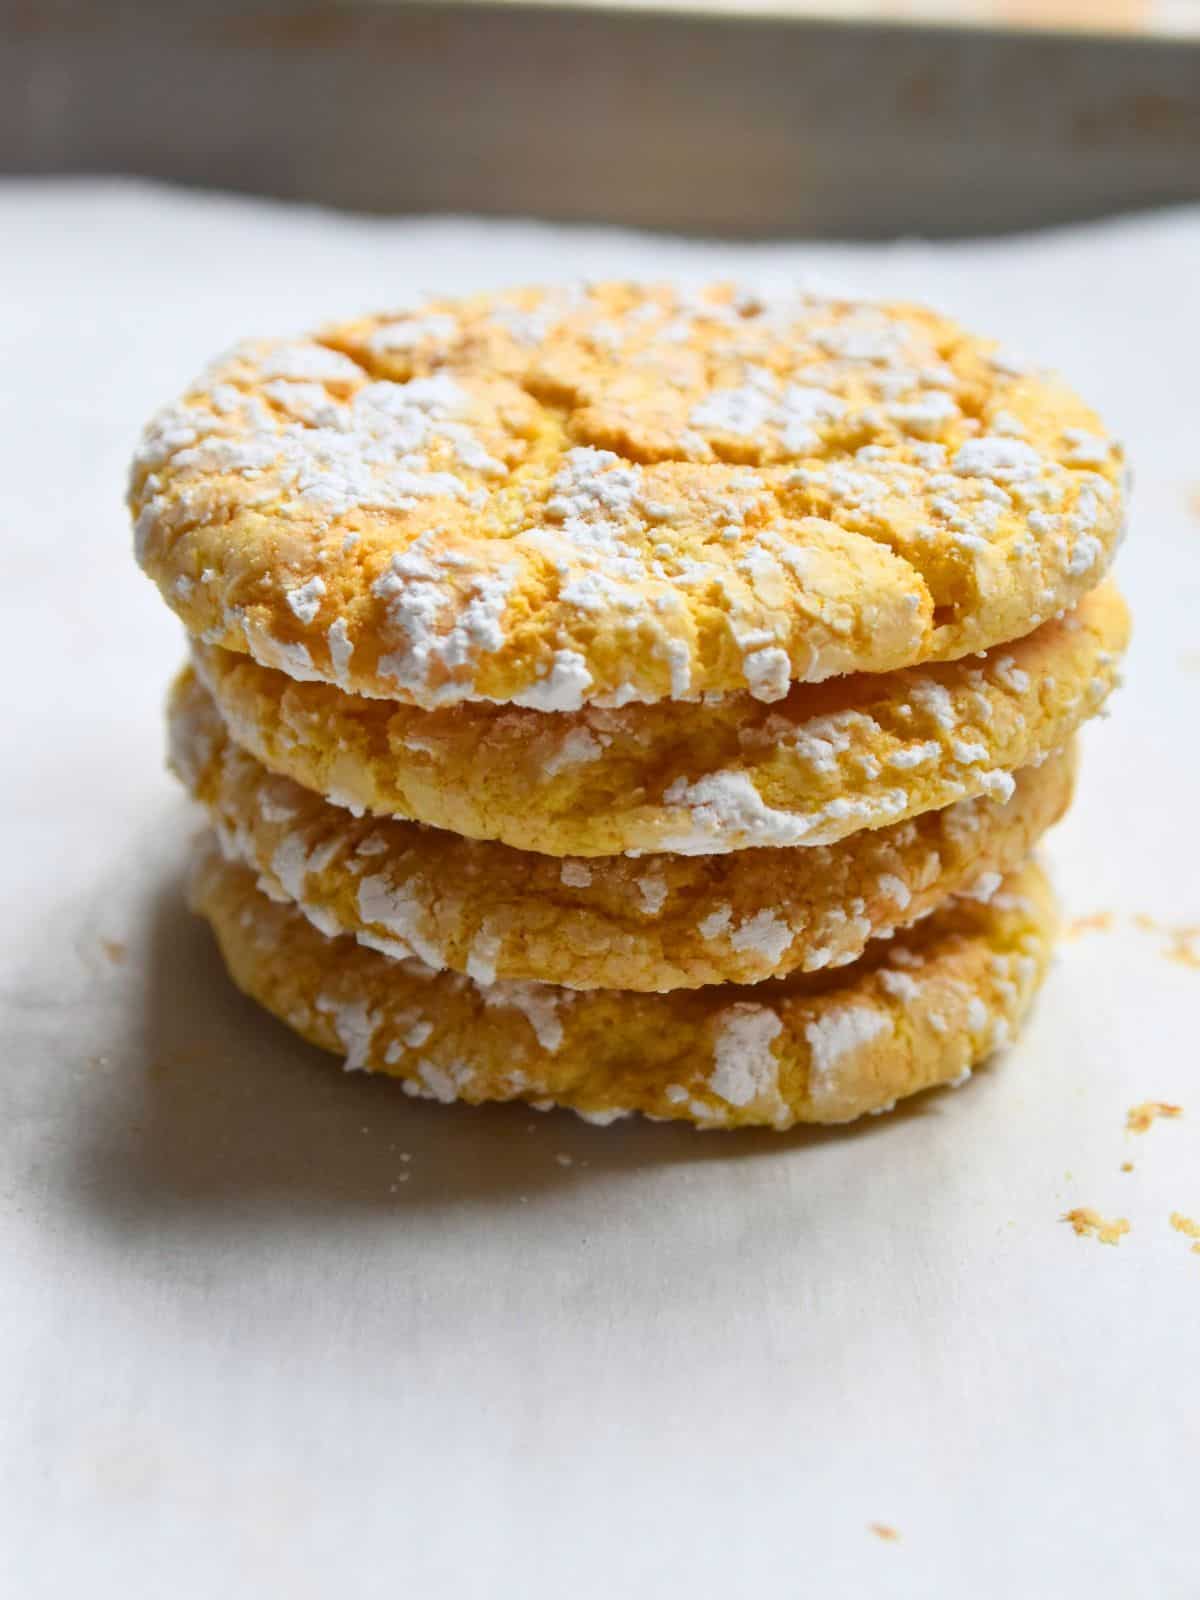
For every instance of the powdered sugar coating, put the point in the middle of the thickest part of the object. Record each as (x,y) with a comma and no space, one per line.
(662,923)
(726,775)
(745,1070)
(837,1040)
(666,493)
(814,1049)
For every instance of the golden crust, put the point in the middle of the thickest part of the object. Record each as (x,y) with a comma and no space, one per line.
(556,498)
(666,922)
(919,1010)
(861,752)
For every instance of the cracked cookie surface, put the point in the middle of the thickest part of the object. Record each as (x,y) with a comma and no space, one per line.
(556,498)
(918,1010)
(661,923)
(694,779)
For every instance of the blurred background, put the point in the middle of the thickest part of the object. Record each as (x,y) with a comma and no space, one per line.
(835,118)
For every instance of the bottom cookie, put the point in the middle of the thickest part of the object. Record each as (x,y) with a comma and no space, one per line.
(917,1010)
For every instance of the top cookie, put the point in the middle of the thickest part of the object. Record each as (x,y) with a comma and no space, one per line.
(618,493)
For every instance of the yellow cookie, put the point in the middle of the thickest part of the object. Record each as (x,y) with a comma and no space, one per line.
(554,498)
(666,922)
(860,752)
(917,1010)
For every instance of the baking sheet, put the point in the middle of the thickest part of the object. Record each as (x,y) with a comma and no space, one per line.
(700,116)
(268,1329)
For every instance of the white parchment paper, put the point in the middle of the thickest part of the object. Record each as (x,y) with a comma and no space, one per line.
(266,1329)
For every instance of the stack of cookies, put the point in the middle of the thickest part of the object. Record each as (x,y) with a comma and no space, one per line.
(635,699)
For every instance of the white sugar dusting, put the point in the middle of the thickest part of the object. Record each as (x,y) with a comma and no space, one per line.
(792,411)
(305,599)
(538,1003)
(899,985)
(652,893)
(418,598)
(716,924)
(340,648)
(727,810)
(1005,460)
(291,658)
(1087,449)
(836,1038)
(1000,785)
(914,755)
(399,911)
(273,809)
(481,957)
(563,688)
(443,1083)
(765,934)
(894,889)
(768,673)
(604,1117)
(288,427)
(355,1028)
(436,328)
(984,886)
(575,749)
(745,1066)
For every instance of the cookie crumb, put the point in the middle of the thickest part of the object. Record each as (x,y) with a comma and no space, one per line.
(116,951)
(1097,922)
(1086,1221)
(1188,1227)
(1139,1118)
(884,1531)
(1181,941)
(1182,946)
(1127,1166)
